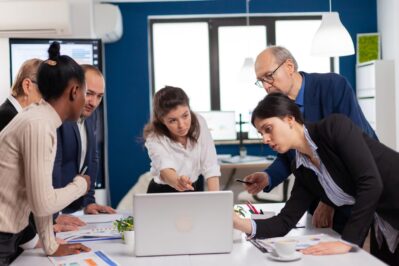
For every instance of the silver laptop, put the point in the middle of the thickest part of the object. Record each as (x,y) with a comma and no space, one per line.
(183,223)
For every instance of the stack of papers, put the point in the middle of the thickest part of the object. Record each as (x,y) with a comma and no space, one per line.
(100,218)
(91,232)
(92,258)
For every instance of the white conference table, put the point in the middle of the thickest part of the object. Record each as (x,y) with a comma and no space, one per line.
(243,253)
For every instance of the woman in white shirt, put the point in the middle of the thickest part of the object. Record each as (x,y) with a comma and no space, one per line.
(179,145)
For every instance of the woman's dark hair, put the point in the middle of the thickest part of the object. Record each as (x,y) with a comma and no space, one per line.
(276,105)
(165,100)
(56,72)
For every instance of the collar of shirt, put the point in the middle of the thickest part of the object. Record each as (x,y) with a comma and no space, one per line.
(178,145)
(300,97)
(15,103)
(300,158)
(81,121)
(55,117)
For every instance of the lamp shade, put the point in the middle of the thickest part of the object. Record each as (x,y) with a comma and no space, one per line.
(332,39)
(247,72)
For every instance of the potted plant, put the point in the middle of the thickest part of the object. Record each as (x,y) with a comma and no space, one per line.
(125,226)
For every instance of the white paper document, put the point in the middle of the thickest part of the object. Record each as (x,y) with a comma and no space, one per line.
(92,258)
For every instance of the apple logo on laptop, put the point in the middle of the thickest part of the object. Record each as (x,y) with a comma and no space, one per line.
(184,223)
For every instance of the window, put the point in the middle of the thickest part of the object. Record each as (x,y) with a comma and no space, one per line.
(238,91)
(205,57)
(181,59)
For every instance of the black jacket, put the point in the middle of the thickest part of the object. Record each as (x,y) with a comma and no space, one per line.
(7,113)
(359,165)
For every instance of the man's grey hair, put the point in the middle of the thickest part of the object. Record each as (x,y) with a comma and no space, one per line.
(281,54)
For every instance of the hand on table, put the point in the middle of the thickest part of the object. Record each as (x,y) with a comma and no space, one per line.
(65,228)
(241,224)
(327,248)
(94,208)
(65,222)
(70,249)
(69,219)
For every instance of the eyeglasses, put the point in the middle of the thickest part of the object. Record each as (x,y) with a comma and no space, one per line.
(268,78)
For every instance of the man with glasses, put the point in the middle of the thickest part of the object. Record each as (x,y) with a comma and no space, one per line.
(317,96)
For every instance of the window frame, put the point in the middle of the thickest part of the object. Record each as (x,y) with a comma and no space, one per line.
(213,25)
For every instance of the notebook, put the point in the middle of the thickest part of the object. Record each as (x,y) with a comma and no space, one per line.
(183,223)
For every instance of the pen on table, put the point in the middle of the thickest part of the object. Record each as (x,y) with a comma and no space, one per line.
(259,246)
(252,207)
(83,170)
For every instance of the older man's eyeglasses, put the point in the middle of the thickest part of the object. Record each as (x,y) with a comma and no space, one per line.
(267,78)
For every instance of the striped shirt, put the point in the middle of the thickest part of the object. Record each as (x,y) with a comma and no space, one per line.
(333,191)
(27,152)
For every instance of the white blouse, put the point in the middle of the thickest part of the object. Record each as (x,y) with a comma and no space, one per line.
(197,158)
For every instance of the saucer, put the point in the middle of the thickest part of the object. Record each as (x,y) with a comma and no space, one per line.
(295,256)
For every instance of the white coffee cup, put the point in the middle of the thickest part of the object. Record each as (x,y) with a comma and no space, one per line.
(285,248)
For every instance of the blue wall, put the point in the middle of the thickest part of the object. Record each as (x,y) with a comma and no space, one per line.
(126,65)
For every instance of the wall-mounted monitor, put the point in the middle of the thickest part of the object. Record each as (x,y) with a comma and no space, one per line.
(83,51)
(222,124)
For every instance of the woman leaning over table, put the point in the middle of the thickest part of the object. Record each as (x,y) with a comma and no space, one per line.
(338,163)
(27,151)
(179,145)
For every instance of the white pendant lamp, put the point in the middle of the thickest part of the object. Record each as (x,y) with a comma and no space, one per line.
(247,74)
(332,39)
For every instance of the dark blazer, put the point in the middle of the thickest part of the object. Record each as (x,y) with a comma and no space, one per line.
(67,161)
(359,165)
(324,94)
(7,113)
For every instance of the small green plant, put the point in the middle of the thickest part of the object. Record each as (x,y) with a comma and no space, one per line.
(124,224)
(239,210)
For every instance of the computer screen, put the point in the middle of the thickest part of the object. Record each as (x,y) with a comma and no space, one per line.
(222,124)
(248,127)
(83,51)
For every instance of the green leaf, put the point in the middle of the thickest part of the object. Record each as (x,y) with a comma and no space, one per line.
(124,224)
